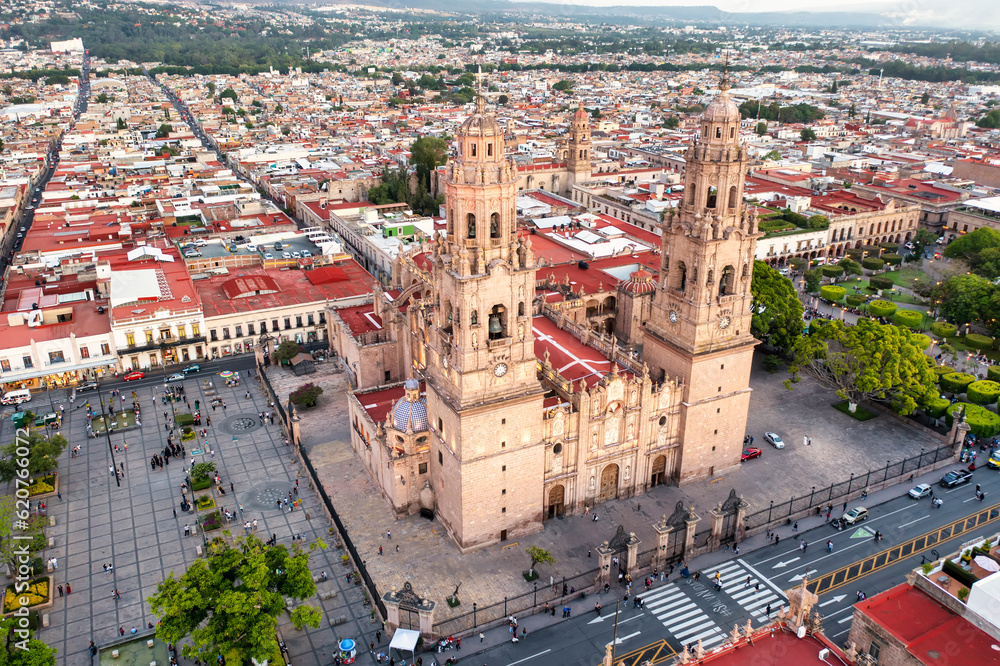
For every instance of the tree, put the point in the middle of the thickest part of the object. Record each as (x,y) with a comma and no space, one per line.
(121,124)
(211,89)
(229,602)
(980,250)
(102,98)
(43,456)
(286,350)
(229,93)
(164,131)
(306,395)
(990,121)
(812,278)
(777,311)
(867,361)
(538,556)
(761,128)
(23,649)
(565,85)
(964,299)
(807,134)
(428,153)
(925,98)
(673,122)
(850,266)
(397,78)
(772,155)
(502,100)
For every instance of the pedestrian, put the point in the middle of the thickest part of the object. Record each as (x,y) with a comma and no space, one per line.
(388,535)
(378,634)
(795,527)
(68,589)
(482,637)
(397,547)
(845,506)
(380,550)
(747,584)
(60,588)
(767,611)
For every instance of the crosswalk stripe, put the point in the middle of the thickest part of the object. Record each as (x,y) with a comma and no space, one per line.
(762,602)
(677,629)
(665,593)
(681,614)
(712,640)
(728,568)
(671,607)
(696,634)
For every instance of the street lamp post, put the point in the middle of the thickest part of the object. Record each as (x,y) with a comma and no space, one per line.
(107,436)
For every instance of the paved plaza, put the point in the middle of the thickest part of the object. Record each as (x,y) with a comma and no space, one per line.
(430,561)
(133,526)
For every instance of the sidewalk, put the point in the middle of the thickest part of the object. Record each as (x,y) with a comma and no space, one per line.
(472,645)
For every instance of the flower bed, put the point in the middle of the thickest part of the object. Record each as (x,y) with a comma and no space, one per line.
(205,502)
(212,521)
(43,486)
(36,594)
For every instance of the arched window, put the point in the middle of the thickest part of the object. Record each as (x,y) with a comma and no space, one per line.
(494,225)
(732,132)
(710,199)
(690,193)
(520,309)
(498,322)
(473,150)
(718,132)
(711,276)
(745,270)
(726,282)
(680,283)
(489,150)
(475,318)
(732,197)
(471,220)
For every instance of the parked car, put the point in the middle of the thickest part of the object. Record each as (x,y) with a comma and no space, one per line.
(268,255)
(137,374)
(194,367)
(750,453)
(920,491)
(774,440)
(855,515)
(176,377)
(994,461)
(86,386)
(286,255)
(955,477)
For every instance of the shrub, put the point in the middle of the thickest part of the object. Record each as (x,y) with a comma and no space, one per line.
(919,339)
(36,593)
(855,253)
(212,521)
(854,300)
(977,341)
(40,488)
(943,329)
(888,247)
(964,577)
(956,382)
(797,263)
(872,263)
(188,433)
(832,271)
(993,373)
(184,419)
(892,258)
(983,392)
(306,395)
(880,282)
(880,308)
(936,406)
(831,293)
(911,319)
(941,371)
(202,471)
(982,422)
(204,502)
(772,363)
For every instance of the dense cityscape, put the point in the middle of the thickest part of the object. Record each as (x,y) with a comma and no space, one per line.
(578,335)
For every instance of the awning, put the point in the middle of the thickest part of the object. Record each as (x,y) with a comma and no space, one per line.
(405,639)
(35,373)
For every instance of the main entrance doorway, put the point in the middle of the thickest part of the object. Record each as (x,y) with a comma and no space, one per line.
(609,483)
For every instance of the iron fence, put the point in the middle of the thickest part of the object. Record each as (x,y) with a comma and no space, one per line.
(841,490)
(544,595)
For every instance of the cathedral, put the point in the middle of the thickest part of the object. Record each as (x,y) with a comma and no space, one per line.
(474,402)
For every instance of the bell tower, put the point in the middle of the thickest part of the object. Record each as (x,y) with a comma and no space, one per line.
(476,348)
(578,159)
(699,327)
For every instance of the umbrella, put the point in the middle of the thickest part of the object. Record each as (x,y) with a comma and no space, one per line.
(987,563)
(227,373)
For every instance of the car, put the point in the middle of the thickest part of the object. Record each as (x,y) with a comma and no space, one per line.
(855,515)
(286,255)
(774,440)
(955,477)
(268,255)
(86,386)
(194,367)
(296,255)
(176,377)
(994,461)
(306,253)
(136,374)
(750,453)
(921,490)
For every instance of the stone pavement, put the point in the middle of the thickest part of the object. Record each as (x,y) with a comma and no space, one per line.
(429,560)
(133,526)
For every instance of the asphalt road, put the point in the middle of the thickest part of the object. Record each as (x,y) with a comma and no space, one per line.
(681,611)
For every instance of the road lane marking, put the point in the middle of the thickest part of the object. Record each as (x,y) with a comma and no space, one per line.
(762,578)
(915,521)
(519,661)
(622,639)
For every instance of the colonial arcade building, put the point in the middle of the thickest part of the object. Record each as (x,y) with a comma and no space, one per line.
(473,400)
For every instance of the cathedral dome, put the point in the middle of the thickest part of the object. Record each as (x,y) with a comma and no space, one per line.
(639,282)
(722,109)
(481,123)
(410,413)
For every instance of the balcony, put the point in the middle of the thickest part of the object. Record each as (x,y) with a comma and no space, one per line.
(162,343)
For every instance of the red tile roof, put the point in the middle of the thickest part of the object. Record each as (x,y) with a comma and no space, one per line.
(573,360)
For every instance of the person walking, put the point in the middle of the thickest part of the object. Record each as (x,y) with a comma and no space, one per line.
(68,589)
(60,588)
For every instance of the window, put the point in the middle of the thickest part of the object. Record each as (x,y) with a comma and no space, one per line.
(557,449)
(504,468)
(489,150)
(195,330)
(288,323)
(309,319)
(250,329)
(503,492)
(503,509)
(274,325)
(56,357)
(422,468)
(213,335)
(105,349)
(471,223)
(263,327)
(322,317)
(149,337)
(84,352)
(503,445)
(441,427)
(298,321)
(388,376)
(26,360)
(440,458)
(503,421)
(239,330)
(875,651)
(225,333)
(5,365)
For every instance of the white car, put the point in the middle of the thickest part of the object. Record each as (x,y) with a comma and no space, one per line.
(774,440)
(921,490)
(268,255)
(286,255)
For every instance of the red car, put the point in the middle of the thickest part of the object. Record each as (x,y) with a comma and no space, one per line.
(749,453)
(138,374)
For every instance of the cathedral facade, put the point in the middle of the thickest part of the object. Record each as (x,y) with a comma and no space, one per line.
(474,402)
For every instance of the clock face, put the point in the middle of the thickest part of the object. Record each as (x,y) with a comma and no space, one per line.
(724,323)
(500,369)
(673,316)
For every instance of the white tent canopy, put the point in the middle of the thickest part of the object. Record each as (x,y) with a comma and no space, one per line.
(405,639)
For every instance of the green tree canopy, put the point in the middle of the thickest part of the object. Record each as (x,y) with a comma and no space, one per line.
(23,651)
(43,455)
(229,602)
(807,134)
(777,311)
(565,85)
(163,131)
(965,299)
(428,153)
(228,93)
(868,361)
(539,556)
(980,249)
(286,350)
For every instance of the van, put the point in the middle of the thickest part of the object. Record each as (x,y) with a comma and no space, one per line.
(16,397)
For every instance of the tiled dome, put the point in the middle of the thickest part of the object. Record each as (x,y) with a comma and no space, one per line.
(410,413)
(639,282)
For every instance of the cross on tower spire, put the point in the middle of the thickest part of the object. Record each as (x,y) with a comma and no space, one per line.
(724,82)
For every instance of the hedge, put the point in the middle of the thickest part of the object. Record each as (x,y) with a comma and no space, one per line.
(956,382)
(919,339)
(993,373)
(854,300)
(966,578)
(892,258)
(888,247)
(936,406)
(832,293)
(941,371)
(798,263)
(880,308)
(977,341)
(872,263)
(857,254)
(832,271)
(881,282)
(943,329)
(982,422)
(983,392)
(910,319)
